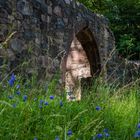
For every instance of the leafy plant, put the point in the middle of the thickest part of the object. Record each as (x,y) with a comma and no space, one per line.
(126,44)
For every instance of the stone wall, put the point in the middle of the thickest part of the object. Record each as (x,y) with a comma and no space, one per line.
(44,30)
(128,71)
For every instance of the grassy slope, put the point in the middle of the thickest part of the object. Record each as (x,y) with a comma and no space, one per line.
(19,120)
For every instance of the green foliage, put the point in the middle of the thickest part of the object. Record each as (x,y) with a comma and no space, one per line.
(126,44)
(27,118)
(124,19)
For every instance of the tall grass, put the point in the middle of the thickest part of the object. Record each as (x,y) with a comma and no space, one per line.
(29,110)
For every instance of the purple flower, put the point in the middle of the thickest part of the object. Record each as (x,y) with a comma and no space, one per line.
(138,125)
(46,103)
(51,97)
(99,136)
(12,80)
(18,92)
(40,106)
(41,101)
(24,98)
(106,132)
(107,135)
(69,133)
(18,86)
(98,108)
(13,77)
(137,134)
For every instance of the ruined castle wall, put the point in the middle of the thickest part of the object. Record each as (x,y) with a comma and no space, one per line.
(43,31)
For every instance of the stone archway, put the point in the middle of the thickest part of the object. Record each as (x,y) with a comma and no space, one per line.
(82,61)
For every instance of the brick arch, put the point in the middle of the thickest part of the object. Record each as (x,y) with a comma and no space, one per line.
(82,61)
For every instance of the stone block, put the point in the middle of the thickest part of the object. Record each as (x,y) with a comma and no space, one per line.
(50,10)
(40,5)
(25,7)
(57,11)
(16,45)
(60,23)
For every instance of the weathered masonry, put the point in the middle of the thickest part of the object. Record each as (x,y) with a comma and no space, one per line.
(53,35)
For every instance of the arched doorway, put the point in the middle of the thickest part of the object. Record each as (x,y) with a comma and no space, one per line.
(82,62)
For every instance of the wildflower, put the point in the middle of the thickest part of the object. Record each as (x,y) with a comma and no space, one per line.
(57,138)
(106,132)
(51,97)
(41,101)
(13,77)
(61,103)
(24,98)
(69,133)
(137,134)
(12,80)
(99,136)
(40,106)
(46,103)
(107,135)
(138,125)
(18,92)
(18,86)
(98,108)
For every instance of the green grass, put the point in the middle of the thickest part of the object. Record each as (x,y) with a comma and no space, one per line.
(25,120)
